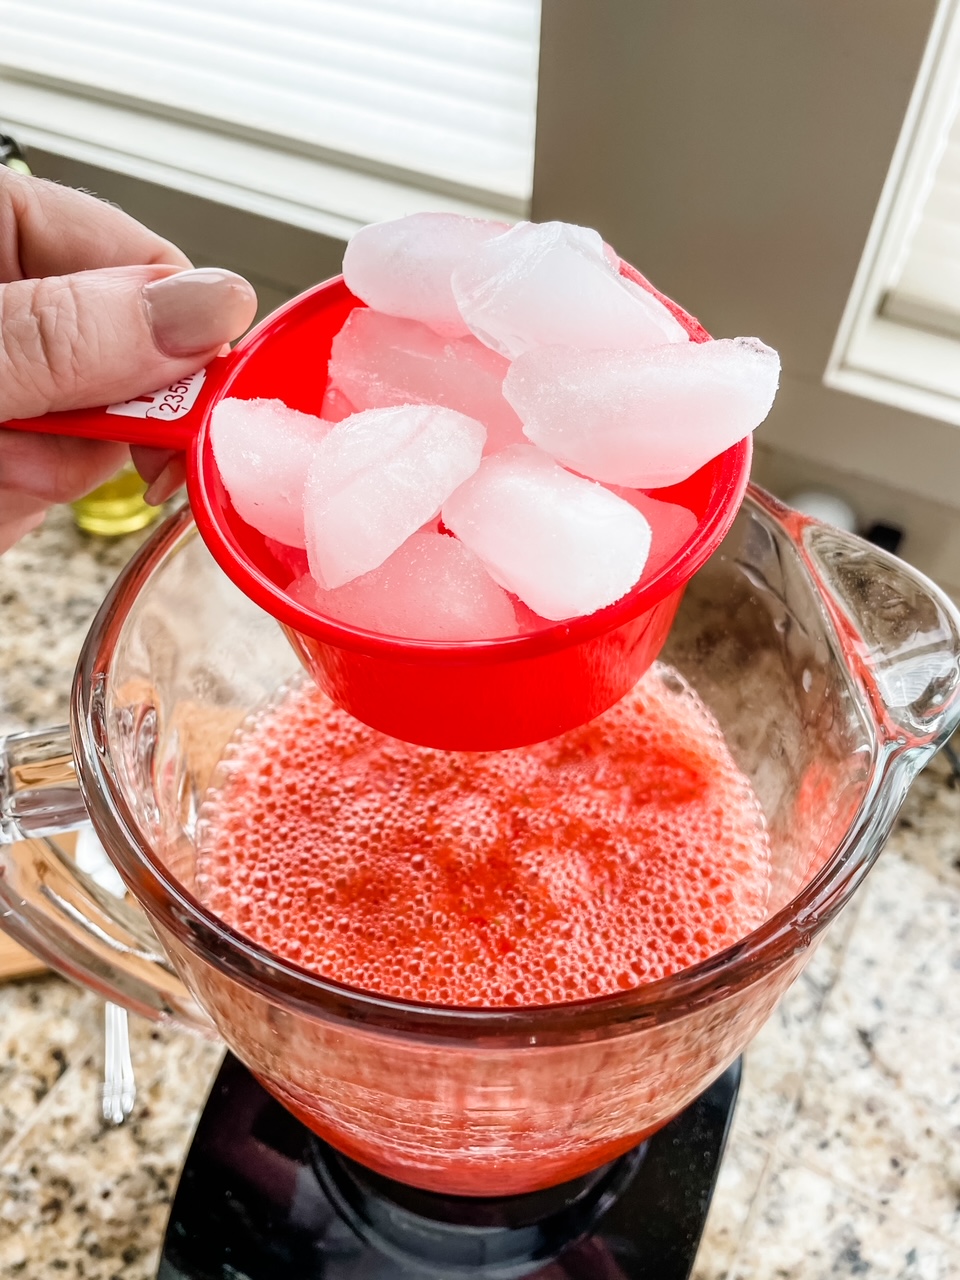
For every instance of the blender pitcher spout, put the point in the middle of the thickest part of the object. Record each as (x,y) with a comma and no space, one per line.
(898,632)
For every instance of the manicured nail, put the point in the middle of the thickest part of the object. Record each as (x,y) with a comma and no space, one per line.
(196,311)
(167,482)
(151,462)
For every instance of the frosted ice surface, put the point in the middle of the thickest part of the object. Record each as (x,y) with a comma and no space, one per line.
(291,561)
(263,451)
(377,477)
(644,419)
(671,525)
(564,545)
(553,284)
(431,588)
(403,266)
(379,360)
(336,406)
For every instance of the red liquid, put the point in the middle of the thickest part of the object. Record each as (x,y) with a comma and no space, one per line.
(616,854)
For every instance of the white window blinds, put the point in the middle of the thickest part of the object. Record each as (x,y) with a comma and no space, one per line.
(899,338)
(926,284)
(442,91)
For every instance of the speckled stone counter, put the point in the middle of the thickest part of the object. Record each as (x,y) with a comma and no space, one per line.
(845,1154)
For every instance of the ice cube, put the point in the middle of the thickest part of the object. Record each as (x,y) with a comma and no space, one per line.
(263,452)
(671,525)
(431,588)
(553,284)
(379,360)
(290,562)
(335,405)
(644,419)
(376,478)
(403,266)
(564,545)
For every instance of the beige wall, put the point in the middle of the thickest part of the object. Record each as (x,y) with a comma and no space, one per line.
(735,150)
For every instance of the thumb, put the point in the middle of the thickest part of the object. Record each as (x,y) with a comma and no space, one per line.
(98,337)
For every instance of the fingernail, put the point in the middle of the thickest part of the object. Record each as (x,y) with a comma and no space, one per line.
(152,462)
(167,483)
(196,311)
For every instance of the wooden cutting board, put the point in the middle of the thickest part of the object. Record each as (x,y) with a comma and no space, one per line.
(15,962)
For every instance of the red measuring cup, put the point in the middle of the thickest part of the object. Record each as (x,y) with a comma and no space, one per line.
(468,695)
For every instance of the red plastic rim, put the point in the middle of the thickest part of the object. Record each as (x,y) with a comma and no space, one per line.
(325,307)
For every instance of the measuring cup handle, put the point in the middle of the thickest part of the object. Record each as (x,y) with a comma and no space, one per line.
(165,419)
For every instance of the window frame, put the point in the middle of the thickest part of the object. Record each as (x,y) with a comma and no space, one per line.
(878,354)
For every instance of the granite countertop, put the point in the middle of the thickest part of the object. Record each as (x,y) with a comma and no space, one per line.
(845,1155)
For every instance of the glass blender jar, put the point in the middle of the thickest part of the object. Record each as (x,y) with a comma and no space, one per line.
(833,670)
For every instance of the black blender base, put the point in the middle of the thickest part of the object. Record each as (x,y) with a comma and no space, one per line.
(260,1197)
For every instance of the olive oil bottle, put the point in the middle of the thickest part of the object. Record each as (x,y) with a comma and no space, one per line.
(116,507)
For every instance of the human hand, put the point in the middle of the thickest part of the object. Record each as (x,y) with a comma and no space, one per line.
(94,309)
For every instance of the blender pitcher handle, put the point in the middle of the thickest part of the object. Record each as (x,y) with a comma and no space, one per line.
(39,794)
(900,634)
(56,911)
